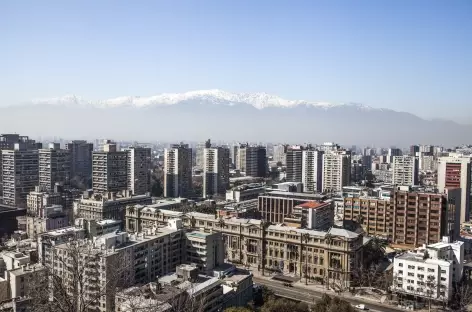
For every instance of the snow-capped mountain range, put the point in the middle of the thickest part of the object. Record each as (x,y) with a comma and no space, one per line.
(258,100)
(220,115)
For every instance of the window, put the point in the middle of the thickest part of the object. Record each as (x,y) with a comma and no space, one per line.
(411,267)
(431,270)
(411,274)
(420,269)
(443,271)
(400,264)
(443,278)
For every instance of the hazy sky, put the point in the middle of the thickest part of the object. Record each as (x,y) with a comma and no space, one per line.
(412,56)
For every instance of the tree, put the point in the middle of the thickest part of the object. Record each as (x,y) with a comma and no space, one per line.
(462,296)
(71,280)
(284,305)
(238,309)
(374,251)
(328,304)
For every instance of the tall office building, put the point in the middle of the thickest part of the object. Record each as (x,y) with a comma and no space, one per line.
(54,166)
(252,160)
(199,158)
(215,171)
(336,170)
(81,159)
(20,174)
(109,170)
(455,172)
(178,171)
(312,171)
(280,153)
(139,170)
(405,170)
(294,165)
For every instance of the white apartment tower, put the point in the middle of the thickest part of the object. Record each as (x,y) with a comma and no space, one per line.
(178,171)
(455,172)
(336,170)
(139,170)
(215,171)
(54,166)
(199,158)
(405,170)
(280,153)
(312,171)
(20,174)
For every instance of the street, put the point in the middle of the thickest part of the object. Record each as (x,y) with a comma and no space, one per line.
(309,296)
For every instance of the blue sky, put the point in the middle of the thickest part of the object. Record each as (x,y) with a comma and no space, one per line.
(412,56)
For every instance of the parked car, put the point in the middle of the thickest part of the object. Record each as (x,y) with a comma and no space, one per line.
(361,307)
(288,285)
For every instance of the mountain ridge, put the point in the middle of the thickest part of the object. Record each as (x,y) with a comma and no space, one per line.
(259,100)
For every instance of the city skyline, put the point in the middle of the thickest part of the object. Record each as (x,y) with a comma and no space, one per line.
(337,52)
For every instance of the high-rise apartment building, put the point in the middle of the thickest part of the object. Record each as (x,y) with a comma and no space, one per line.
(109,170)
(199,157)
(336,170)
(252,160)
(373,214)
(20,174)
(405,170)
(294,159)
(139,170)
(81,159)
(455,172)
(8,141)
(54,166)
(312,171)
(424,218)
(215,171)
(178,171)
(280,153)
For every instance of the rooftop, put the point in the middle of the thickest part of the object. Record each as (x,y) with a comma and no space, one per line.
(295,195)
(313,205)
(197,234)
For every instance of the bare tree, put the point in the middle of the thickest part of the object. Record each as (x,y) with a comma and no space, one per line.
(78,277)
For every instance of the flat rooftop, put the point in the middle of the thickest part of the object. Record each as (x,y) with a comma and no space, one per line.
(313,205)
(294,194)
(198,234)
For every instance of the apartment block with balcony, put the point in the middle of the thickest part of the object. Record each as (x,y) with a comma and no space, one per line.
(20,175)
(178,171)
(418,218)
(139,170)
(54,166)
(429,272)
(370,212)
(336,170)
(119,259)
(205,250)
(405,170)
(109,170)
(215,171)
(312,171)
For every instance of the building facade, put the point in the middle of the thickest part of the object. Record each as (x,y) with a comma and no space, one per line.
(109,170)
(455,172)
(178,171)
(20,175)
(215,171)
(54,166)
(81,159)
(405,170)
(294,159)
(139,170)
(312,171)
(336,170)
(372,213)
